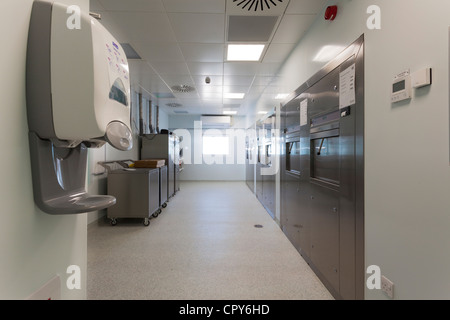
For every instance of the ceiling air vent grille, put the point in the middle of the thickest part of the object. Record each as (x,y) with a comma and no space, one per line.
(256,4)
(183,88)
(174,105)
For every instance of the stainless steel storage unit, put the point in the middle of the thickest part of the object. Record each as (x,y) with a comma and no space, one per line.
(136,192)
(322,186)
(259,162)
(163,186)
(176,162)
(162,146)
(250,158)
(268,178)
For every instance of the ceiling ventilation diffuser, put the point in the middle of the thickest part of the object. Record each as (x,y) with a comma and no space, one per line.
(183,88)
(174,105)
(256,4)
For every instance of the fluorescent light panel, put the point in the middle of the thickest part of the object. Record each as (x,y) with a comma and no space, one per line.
(233,95)
(229,112)
(281,96)
(244,52)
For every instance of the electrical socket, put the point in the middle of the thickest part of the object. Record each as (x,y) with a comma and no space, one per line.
(387,286)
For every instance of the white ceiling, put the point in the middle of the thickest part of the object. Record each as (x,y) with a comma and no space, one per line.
(182,42)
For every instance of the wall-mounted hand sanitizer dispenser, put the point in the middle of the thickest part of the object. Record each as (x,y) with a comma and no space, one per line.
(78,97)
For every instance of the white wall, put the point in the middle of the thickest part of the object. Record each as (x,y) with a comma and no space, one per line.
(34,246)
(407,172)
(232,169)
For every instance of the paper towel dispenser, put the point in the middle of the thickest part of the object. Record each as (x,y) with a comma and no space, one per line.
(78,97)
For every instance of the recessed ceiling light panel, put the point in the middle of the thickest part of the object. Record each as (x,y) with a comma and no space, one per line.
(244,52)
(281,96)
(234,95)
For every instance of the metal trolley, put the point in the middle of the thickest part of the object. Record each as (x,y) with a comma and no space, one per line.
(137,192)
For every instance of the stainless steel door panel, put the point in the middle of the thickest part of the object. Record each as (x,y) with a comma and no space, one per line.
(171,166)
(325,233)
(325,221)
(268,192)
(259,182)
(153,198)
(163,186)
(291,222)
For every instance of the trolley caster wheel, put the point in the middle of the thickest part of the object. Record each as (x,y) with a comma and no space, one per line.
(155,215)
(146,222)
(113,222)
(164,205)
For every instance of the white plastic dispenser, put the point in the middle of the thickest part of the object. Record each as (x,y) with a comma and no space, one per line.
(78,97)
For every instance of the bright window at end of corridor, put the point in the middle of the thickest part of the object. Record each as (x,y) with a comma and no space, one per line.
(214,145)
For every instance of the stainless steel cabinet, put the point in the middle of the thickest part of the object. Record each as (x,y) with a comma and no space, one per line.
(163,186)
(322,178)
(164,146)
(136,192)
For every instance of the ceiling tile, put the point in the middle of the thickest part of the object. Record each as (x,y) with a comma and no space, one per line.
(113,27)
(171,68)
(202,52)
(250,28)
(172,80)
(305,6)
(268,69)
(187,95)
(292,28)
(212,103)
(159,51)
(232,106)
(155,85)
(241,68)
(256,90)
(190,102)
(207,69)
(139,67)
(277,52)
(201,28)
(167,104)
(199,6)
(238,80)
(214,81)
(144,26)
(236,89)
(133,5)
(209,89)
(211,95)
(262,81)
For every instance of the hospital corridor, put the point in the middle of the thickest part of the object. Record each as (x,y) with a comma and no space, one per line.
(225,157)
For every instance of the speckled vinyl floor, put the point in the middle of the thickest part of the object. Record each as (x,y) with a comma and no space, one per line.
(204,245)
